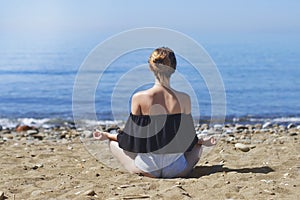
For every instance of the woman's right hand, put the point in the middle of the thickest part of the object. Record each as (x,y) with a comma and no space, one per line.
(100,135)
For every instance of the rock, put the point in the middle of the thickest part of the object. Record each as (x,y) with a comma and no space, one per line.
(20,128)
(90,193)
(267,125)
(32,132)
(204,126)
(291,125)
(218,126)
(293,134)
(282,127)
(8,137)
(241,127)
(39,136)
(2,197)
(37,166)
(257,126)
(242,147)
(1,128)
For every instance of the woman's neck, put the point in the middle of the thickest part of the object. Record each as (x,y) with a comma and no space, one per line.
(165,84)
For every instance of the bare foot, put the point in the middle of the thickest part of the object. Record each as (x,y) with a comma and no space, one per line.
(208,141)
(99,135)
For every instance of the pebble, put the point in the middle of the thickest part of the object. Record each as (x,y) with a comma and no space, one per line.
(90,193)
(39,136)
(218,126)
(242,147)
(21,128)
(241,127)
(32,132)
(8,136)
(293,134)
(2,197)
(291,125)
(267,125)
(257,126)
(37,166)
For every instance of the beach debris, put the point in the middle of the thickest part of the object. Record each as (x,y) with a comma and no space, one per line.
(90,193)
(242,147)
(135,196)
(126,186)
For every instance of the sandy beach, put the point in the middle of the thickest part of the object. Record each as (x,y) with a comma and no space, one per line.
(41,168)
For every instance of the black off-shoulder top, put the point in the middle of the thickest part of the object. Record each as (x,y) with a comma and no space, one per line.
(160,134)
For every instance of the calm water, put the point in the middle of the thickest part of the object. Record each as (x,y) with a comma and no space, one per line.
(261,77)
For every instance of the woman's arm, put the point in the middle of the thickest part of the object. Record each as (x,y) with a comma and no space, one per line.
(135,105)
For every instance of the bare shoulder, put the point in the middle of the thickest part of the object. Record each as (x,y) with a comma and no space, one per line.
(141,95)
(139,101)
(183,96)
(185,101)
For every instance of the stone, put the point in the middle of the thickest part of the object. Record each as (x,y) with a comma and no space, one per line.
(293,134)
(241,127)
(20,128)
(1,128)
(291,125)
(242,147)
(39,136)
(267,125)
(2,197)
(218,126)
(37,166)
(90,193)
(32,132)
(7,136)
(257,126)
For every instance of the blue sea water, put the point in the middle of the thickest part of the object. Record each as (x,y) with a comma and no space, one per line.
(260,75)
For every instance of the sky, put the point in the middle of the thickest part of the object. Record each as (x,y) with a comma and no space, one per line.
(211,17)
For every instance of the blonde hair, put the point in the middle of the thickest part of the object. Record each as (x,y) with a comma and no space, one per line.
(162,62)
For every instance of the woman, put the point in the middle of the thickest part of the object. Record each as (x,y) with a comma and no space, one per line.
(159,138)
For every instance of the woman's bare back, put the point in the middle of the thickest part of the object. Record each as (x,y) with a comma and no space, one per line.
(160,100)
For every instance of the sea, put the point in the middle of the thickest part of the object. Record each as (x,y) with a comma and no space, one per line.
(260,73)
